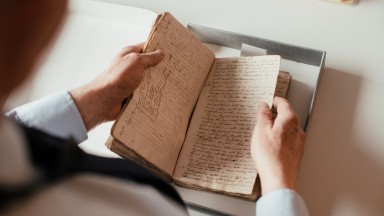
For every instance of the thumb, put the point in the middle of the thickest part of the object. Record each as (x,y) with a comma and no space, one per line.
(152,58)
(264,116)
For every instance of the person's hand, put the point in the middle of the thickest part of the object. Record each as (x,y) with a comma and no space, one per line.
(277,146)
(101,100)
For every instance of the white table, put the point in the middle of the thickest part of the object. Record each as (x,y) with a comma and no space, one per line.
(342,172)
(342,169)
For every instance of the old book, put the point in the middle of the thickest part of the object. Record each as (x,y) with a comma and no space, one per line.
(191,119)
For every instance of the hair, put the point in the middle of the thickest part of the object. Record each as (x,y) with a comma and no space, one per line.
(26,28)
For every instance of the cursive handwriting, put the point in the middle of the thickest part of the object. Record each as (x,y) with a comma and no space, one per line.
(220,155)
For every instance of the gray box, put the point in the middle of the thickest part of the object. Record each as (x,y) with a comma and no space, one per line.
(302,95)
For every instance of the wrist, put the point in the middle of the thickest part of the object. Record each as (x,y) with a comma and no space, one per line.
(278,180)
(86,99)
(98,103)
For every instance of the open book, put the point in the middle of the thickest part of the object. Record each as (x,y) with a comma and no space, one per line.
(191,120)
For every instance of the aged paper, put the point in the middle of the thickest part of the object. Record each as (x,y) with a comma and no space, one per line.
(282,85)
(155,121)
(216,153)
(222,51)
(303,83)
(284,78)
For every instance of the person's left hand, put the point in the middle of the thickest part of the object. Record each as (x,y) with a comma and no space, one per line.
(277,146)
(101,99)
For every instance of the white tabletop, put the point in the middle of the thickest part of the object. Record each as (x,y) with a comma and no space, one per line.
(341,171)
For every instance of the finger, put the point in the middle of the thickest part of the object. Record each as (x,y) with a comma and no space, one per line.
(264,116)
(138,48)
(152,58)
(281,103)
(285,112)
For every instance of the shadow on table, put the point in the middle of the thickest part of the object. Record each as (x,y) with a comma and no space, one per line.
(336,174)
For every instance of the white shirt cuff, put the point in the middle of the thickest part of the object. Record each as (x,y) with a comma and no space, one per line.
(282,202)
(55,114)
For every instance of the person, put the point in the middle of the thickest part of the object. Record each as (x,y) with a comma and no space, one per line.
(29,142)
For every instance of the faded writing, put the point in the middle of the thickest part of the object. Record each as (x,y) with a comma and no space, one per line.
(220,155)
(154,123)
(282,85)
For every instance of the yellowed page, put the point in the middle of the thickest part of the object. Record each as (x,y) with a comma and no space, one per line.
(216,153)
(155,121)
(282,85)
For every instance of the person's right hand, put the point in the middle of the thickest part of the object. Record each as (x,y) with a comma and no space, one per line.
(101,99)
(277,146)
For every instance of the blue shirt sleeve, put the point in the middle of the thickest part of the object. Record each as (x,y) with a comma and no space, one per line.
(55,114)
(282,202)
